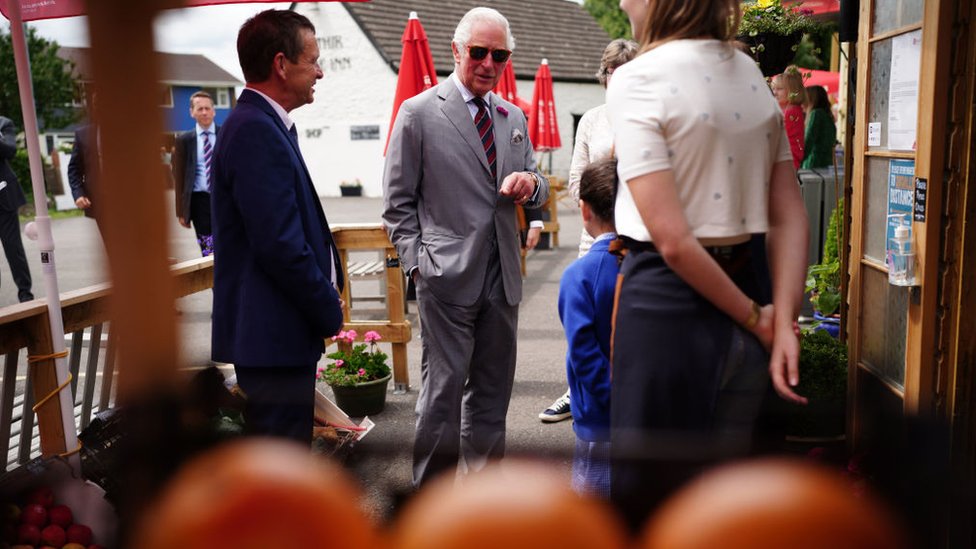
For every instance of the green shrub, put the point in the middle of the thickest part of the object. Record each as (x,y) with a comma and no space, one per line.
(823,367)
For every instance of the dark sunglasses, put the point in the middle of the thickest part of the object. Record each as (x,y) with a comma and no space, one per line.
(498,56)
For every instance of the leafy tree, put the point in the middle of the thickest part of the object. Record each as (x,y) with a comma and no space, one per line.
(55,86)
(609,15)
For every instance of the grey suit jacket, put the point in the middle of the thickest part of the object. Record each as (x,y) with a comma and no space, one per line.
(442,209)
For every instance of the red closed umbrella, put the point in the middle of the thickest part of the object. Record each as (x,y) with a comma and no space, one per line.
(507,89)
(543,128)
(416,68)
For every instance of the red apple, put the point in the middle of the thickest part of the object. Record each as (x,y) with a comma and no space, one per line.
(42,495)
(34,513)
(53,535)
(96,546)
(79,533)
(73,546)
(60,515)
(29,534)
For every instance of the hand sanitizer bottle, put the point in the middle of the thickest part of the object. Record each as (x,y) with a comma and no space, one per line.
(901,260)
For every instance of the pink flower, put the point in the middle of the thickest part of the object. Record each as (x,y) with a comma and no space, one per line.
(340,335)
(339,363)
(351,336)
(362,372)
(371,337)
(502,110)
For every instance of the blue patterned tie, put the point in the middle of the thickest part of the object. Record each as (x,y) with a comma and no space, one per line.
(207,159)
(485,131)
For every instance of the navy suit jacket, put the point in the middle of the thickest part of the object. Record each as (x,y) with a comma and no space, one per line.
(82,167)
(274,302)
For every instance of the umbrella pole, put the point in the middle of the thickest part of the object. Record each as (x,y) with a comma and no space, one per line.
(69,435)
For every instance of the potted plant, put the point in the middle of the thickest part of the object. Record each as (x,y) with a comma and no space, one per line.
(351,188)
(823,380)
(772,32)
(823,279)
(358,374)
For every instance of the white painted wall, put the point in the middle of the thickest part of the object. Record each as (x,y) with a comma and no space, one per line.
(358,90)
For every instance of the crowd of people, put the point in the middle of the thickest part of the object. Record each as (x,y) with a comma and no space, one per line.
(673,346)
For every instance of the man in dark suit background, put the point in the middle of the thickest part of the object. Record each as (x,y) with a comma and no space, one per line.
(11,199)
(84,166)
(192,160)
(276,279)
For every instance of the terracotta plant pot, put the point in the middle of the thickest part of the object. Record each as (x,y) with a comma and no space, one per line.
(362,399)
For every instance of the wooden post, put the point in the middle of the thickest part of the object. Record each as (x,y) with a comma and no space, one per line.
(130,199)
(45,382)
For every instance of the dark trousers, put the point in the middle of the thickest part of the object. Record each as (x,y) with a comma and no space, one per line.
(200,218)
(688,383)
(280,400)
(13,248)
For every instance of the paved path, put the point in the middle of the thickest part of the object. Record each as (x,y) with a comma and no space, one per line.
(382,460)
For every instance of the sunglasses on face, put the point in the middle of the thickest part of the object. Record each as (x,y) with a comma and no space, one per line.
(478,53)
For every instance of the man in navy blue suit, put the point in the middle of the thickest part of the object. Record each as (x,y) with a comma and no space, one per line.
(277,272)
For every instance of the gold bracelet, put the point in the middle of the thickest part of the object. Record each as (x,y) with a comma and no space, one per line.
(753,319)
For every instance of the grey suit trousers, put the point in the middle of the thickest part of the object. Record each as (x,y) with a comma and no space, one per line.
(467,371)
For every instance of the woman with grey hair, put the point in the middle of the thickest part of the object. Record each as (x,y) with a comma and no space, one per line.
(593,142)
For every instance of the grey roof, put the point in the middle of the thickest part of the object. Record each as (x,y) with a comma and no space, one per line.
(559,30)
(176,68)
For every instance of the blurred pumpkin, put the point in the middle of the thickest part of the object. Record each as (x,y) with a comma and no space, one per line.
(510,505)
(767,504)
(257,493)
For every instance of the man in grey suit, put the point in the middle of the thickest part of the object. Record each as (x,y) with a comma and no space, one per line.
(459,161)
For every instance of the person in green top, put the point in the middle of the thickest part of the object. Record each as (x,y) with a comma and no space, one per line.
(821,133)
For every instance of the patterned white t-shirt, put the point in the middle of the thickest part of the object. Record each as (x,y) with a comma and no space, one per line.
(702,109)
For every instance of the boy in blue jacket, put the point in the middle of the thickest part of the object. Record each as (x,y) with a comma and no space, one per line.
(586,308)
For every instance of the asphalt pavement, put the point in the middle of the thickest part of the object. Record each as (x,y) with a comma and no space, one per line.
(382,460)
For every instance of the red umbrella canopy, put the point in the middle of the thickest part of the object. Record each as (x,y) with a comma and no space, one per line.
(416,67)
(543,129)
(32,10)
(829,80)
(507,89)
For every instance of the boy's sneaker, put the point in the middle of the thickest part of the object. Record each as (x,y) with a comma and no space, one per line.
(557,411)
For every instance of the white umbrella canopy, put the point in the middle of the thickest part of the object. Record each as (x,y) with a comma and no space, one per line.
(134,227)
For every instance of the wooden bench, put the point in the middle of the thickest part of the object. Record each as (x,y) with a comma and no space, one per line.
(395,328)
(557,187)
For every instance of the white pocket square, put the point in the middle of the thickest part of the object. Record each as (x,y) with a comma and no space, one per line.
(516,136)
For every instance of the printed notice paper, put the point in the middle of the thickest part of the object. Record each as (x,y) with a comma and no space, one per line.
(906,50)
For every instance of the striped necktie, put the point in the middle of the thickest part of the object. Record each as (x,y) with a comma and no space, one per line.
(207,158)
(483,124)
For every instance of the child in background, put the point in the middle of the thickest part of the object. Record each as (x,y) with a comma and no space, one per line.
(790,94)
(586,310)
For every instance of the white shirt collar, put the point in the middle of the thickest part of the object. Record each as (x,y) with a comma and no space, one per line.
(465,92)
(282,113)
(201,129)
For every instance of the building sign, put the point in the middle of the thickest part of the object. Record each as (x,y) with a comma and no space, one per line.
(364,133)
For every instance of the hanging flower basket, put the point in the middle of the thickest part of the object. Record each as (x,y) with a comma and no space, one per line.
(772,52)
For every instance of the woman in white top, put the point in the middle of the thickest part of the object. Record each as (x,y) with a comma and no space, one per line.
(704,164)
(594,139)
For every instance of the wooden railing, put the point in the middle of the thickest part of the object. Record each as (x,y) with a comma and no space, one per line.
(24,434)
(25,327)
